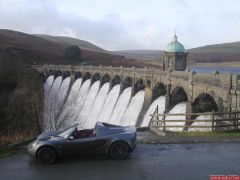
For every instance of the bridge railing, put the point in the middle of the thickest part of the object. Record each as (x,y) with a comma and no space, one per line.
(192,122)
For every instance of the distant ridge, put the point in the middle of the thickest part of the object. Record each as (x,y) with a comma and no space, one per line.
(217,53)
(71,41)
(32,49)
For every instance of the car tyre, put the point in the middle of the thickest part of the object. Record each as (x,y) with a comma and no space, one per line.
(119,150)
(47,155)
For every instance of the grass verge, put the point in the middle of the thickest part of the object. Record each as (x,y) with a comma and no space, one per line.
(208,134)
(6,152)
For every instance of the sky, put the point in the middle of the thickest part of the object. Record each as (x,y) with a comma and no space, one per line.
(127,24)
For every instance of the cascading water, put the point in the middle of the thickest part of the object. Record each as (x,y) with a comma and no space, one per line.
(67,114)
(207,124)
(121,106)
(73,94)
(48,85)
(109,104)
(97,107)
(85,111)
(62,93)
(178,109)
(87,104)
(51,105)
(160,102)
(133,110)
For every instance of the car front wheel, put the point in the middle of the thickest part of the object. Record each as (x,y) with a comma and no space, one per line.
(47,155)
(119,150)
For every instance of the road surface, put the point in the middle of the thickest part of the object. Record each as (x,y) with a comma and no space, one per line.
(148,161)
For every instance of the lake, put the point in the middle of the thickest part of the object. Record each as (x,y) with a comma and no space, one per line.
(201,69)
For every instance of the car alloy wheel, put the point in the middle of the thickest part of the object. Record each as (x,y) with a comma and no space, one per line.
(47,155)
(119,150)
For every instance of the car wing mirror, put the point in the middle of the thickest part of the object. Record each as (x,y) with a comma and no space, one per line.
(70,138)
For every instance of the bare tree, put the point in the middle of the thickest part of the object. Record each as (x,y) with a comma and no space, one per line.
(59,113)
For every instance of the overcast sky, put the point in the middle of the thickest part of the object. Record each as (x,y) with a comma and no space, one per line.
(127,24)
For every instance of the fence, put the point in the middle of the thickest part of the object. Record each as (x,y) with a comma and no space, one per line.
(212,121)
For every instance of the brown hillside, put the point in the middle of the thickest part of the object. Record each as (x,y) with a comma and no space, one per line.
(36,50)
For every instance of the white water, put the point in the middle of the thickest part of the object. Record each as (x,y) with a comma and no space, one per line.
(206,117)
(160,102)
(178,109)
(62,93)
(109,104)
(121,106)
(87,104)
(67,115)
(73,94)
(51,105)
(85,111)
(133,110)
(48,84)
(97,106)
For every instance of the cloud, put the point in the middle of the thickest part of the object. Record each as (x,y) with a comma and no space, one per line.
(118,24)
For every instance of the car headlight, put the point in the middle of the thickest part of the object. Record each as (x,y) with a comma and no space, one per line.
(34,144)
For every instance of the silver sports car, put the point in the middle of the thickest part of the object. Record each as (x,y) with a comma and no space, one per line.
(116,141)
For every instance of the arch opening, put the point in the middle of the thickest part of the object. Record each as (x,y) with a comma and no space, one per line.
(66,74)
(204,103)
(158,90)
(127,82)
(86,76)
(95,77)
(105,78)
(115,80)
(138,86)
(178,95)
(77,75)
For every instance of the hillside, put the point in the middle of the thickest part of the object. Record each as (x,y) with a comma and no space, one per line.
(33,49)
(218,53)
(71,41)
(140,54)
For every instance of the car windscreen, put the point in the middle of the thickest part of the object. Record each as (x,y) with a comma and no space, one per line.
(66,133)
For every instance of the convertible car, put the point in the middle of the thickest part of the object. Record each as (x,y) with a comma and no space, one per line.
(113,140)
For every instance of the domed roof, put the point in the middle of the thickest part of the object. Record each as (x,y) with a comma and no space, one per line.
(175,46)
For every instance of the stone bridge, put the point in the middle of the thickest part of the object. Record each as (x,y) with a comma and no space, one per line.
(202,92)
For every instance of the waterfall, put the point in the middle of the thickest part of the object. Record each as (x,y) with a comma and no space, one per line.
(67,116)
(48,84)
(97,106)
(109,104)
(62,93)
(51,104)
(178,109)
(133,110)
(160,102)
(121,106)
(87,104)
(85,111)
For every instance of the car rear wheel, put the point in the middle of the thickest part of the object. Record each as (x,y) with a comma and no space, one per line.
(47,155)
(119,150)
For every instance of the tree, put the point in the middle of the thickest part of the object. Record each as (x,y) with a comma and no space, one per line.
(73,54)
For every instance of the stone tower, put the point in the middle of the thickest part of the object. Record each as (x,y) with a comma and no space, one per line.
(174,56)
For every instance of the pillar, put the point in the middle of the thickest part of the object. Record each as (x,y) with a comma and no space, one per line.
(168,98)
(146,104)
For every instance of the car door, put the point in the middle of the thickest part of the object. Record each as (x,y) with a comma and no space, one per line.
(83,145)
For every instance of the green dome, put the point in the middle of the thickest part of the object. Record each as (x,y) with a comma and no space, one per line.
(175,46)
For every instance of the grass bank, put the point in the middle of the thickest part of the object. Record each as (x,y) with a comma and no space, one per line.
(207,134)
(6,152)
